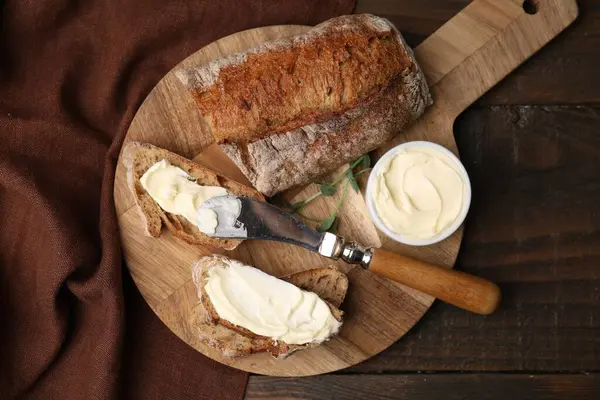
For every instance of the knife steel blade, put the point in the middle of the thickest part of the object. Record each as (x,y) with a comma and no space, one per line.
(246,218)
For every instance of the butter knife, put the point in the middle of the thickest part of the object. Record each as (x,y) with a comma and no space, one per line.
(246,218)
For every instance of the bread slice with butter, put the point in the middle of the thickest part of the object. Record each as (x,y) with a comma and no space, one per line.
(139,158)
(329,284)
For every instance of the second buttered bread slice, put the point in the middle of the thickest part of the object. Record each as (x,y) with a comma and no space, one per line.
(328,283)
(139,157)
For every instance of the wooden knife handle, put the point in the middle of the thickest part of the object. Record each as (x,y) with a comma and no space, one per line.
(466,291)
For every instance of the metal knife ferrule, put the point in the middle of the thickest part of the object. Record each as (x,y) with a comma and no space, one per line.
(335,247)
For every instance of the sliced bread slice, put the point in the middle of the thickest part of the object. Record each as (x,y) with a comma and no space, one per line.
(328,283)
(139,157)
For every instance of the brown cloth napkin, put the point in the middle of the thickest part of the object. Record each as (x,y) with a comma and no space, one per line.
(72,74)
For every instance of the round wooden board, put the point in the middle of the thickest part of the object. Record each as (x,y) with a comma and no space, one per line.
(378,312)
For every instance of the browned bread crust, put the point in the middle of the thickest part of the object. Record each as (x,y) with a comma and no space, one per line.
(288,83)
(294,109)
(232,340)
(138,157)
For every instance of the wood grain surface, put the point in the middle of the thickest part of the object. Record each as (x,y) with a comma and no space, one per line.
(544,251)
(494,38)
(428,387)
(161,268)
(564,73)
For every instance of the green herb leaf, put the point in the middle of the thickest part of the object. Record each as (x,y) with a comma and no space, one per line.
(327,190)
(366,162)
(298,205)
(361,171)
(353,182)
(326,223)
(334,227)
(330,189)
(357,161)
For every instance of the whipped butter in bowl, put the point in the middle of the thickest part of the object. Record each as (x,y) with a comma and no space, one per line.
(418,193)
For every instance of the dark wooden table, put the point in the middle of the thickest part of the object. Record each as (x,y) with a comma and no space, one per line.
(532,149)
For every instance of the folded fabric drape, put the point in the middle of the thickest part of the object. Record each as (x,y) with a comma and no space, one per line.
(72,75)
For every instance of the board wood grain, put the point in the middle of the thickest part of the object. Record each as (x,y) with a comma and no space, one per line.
(462,60)
(427,386)
(537,235)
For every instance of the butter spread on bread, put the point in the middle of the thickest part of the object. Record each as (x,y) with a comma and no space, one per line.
(233,340)
(267,306)
(178,193)
(290,110)
(138,158)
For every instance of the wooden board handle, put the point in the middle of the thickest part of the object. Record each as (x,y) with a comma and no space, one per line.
(483,43)
(466,291)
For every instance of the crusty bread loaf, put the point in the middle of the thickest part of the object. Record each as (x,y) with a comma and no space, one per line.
(233,341)
(288,83)
(138,157)
(293,109)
